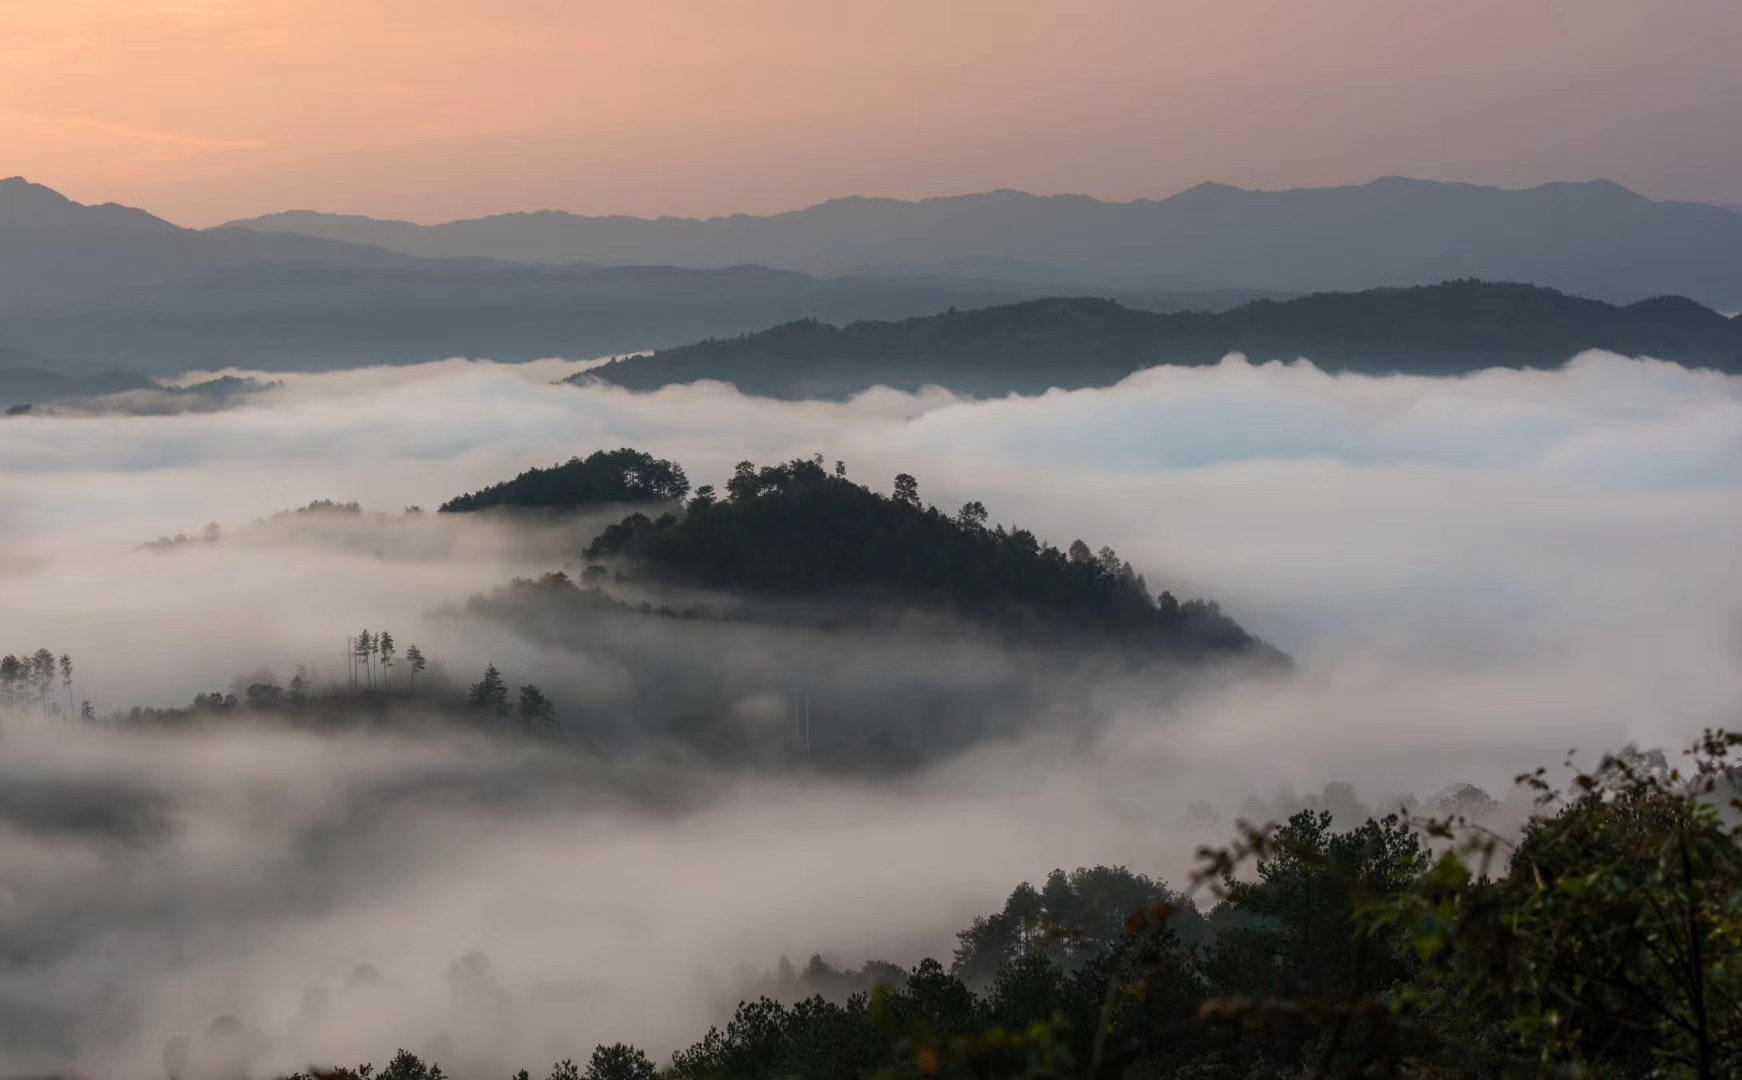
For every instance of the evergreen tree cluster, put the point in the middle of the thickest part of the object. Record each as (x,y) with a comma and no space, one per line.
(488,699)
(801,530)
(379,677)
(323,506)
(30,679)
(604,476)
(378,654)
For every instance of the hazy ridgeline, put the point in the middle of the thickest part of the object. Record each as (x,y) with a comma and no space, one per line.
(1472,574)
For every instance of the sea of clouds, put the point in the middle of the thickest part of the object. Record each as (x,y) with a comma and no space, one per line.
(1474,575)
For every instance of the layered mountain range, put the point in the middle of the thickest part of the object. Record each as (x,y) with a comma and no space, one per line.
(1595,238)
(100,296)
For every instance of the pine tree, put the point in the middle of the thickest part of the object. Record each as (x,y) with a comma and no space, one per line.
(14,674)
(66,678)
(384,645)
(490,694)
(415,663)
(42,668)
(619,1061)
(365,649)
(535,711)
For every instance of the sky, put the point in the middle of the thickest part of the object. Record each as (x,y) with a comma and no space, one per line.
(428,110)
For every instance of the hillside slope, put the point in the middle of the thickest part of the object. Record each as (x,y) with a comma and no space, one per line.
(1027,348)
(796,531)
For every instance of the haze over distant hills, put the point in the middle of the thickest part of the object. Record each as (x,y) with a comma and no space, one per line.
(27,377)
(87,290)
(1595,238)
(1027,348)
(94,287)
(53,249)
(306,316)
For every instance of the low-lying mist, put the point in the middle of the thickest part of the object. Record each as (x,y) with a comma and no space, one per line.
(1473,575)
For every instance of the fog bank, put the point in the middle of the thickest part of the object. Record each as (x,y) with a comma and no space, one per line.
(1474,575)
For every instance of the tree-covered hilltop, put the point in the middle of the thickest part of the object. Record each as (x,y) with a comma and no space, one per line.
(798,530)
(604,476)
(1447,329)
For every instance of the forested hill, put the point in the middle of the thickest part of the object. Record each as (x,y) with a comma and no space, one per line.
(604,476)
(1447,329)
(798,531)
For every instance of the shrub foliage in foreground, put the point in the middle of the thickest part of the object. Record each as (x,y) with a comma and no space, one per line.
(1607,943)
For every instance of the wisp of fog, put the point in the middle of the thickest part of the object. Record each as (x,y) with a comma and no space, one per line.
(1472,575)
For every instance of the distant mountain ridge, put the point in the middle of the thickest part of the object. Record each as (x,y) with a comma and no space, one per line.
(117,286)
(53,249)
(1595,238)
(27,378)
(1027,348)
(300,316)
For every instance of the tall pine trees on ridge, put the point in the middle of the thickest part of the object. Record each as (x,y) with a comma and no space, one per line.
(797,530)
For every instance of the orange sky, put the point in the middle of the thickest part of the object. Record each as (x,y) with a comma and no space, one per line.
(205,110)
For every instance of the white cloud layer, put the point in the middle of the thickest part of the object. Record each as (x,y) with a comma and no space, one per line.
(1475,574)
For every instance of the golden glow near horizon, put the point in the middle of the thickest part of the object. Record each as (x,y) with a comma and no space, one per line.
(203,110)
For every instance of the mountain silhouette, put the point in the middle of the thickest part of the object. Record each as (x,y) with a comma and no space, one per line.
(299,316)
(123,288)
(27,377)
(53,249)
(1027,348)
(1594,238)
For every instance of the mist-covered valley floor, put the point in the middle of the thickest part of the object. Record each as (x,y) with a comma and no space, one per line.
(1471,575)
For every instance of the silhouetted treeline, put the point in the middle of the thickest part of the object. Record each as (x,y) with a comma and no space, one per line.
(379,685)
(30,680)
(798,530)
(213,532)
(1449,329)
(1608,944)
(584,597)
(488,699)
(605,476)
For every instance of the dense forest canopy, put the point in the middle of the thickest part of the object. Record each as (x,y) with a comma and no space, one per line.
(800,530)
(1605,943)
(1449,329)
(604,476)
